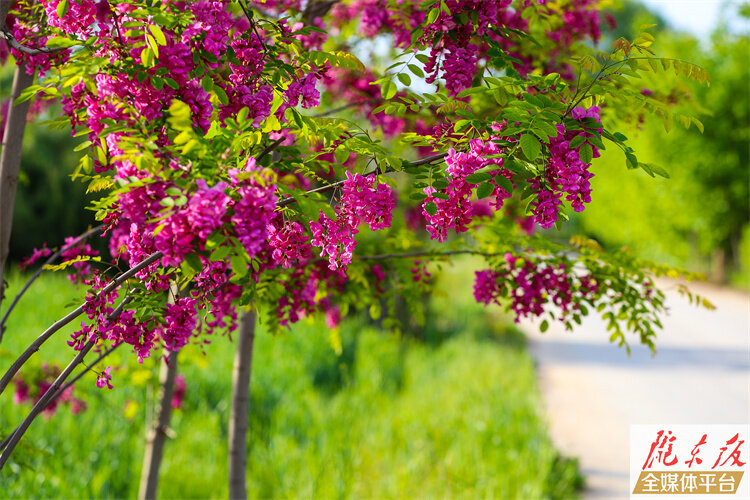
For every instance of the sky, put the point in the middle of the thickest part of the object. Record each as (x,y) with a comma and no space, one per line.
(699,17)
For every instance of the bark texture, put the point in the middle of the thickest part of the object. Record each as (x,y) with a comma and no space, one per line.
(10,162)
(157,434)
(243,362)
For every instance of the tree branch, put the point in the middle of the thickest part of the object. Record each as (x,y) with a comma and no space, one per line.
(270,148)
(15,44)
(39,271)
(71,382)
(424,253)
(331,187)
(52,392)
(157,435)
(18,363)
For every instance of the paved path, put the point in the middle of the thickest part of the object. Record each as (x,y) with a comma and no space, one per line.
(593,391)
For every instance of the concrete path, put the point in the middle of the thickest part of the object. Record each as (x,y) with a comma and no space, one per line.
(593,391)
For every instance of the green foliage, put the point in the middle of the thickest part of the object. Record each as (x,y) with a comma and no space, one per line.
(704,206)
(390,417)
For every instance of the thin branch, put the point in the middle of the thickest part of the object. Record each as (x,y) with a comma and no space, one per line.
(54,390)
(42,403)
(86,370)
(423,253)
(344,107)
(270,148)
(41,269)
(72,381)
(335,185)
(18,363)
(15,44)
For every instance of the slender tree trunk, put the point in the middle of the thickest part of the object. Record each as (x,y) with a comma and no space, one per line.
(10,161)
(243,362)
(157,435)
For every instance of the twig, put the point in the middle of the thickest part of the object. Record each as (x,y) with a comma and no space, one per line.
(18,363)
(87,369)
(42,403)
(423,253)
(15,44)
(270,148)
(346,106)
(335,185)
(39,271)
(54,390)
(72,381)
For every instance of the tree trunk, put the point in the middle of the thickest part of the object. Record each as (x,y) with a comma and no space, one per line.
(157,435)
(719,266)
(243,362)
(10,162)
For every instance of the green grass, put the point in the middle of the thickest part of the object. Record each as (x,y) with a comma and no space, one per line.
(453,416)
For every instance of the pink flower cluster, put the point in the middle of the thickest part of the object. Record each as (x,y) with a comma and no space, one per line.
(103,379)
(302,89)
(530,287)
(35,385)
(566,174)
(456,212)
(178,396)
(79,16)
(363,199)
(37,254)
(307,291)
(289,243)
(82,269)
(179,323)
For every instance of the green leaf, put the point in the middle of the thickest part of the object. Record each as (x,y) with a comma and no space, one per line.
(485,189)
(530,146)
(544,326)
(223,97)
(433,15)
(194,262)
(404,78)
(239,265)
(416,70)
(586,153)
(504,183)
(147,57)
(207,83)
(341,154)
(388,90)
(430,208)
(477,177)
(158,34)
(172,83)
(631,161)
(659,171)
(62,8)
(576,141)
(548,128)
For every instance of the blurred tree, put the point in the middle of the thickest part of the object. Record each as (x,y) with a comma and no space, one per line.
(48,206)
(697,217)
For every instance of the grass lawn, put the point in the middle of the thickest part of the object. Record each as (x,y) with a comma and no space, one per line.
(453,415)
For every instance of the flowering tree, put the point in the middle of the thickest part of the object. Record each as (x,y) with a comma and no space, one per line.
(292,158)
